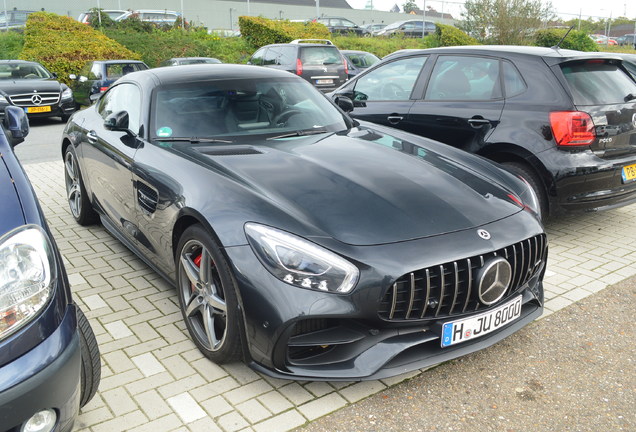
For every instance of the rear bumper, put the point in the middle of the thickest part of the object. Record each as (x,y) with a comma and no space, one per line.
(27,387)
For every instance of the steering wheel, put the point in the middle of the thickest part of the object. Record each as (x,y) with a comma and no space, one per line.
(285,115)
(391,91)
(30,75)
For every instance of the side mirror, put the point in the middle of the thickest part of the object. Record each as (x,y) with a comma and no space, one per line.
(94,96)
(72,76)
(16,125)
(83,79)
(344,102)
(117,121)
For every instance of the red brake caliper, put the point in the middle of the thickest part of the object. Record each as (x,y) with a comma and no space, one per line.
(197,262)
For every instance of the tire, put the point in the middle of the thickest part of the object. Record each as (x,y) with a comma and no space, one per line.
(208,299)
(91,365)
(529,175)
(79,204)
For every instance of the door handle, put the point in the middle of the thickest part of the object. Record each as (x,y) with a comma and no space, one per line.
(395,119)
(92,137)
(477,122)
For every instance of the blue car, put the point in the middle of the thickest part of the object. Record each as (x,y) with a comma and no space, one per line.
(49,359)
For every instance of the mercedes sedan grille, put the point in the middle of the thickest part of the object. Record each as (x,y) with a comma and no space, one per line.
(31,99)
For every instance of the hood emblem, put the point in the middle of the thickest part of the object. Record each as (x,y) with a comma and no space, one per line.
(36,99)
(483,234)
(494,279)
(324,69)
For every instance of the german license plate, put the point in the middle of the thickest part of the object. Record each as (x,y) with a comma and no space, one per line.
(37,109)
(324,81)
(455,332)
(629,173)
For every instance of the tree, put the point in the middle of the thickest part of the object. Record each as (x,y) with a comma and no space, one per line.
(409,6)
(510,22)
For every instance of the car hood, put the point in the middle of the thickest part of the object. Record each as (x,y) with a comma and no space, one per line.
(12,87)
(11,215)
(364,188)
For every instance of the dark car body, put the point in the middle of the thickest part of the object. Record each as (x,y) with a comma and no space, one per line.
(358,61)
(31,87)
(409,28)
(96,76)
(564,120)
(317,61)
(41,351)
(342,251)
(342,26)
(180,61)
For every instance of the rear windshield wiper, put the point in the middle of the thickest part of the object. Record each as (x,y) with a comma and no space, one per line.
(299,133)
(195,140)
(630,97)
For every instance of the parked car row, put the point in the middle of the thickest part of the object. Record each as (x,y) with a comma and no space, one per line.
(158,17)
(409,28)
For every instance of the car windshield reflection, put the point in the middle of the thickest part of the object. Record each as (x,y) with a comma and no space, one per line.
(272,109)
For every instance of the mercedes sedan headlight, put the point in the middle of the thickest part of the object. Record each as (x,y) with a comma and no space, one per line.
(299,262)
(27,275)
(67,93)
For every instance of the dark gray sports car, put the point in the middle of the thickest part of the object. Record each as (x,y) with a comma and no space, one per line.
(308,245)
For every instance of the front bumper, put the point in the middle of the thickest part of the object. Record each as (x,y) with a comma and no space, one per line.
(66,107)
(295,333)
(47,377)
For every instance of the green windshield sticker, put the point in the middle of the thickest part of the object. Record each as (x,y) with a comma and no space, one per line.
(164,132)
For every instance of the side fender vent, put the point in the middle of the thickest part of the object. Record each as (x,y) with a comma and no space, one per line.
(147,197)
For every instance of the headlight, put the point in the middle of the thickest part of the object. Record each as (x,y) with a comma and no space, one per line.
(67,93)
(27,275)
(299,262)
(3,99)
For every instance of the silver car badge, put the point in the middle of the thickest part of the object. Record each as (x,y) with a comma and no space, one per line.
(483,234)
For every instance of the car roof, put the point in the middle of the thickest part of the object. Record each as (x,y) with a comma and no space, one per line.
(19,62)
(116,61)
(556,54)
(204,72)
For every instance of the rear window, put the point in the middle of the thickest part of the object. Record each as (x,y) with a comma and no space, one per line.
(319,55)
(597,82)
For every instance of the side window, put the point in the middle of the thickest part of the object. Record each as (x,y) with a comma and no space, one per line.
(270,56)
(392,81)
(464,78)
(257,58)
(513,83)
(123,97)
(287,56)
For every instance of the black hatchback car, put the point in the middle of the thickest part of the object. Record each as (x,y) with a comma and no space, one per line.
(49,359)
(563,120)
(32,88)
(97,75)
(316,60)
(310,245)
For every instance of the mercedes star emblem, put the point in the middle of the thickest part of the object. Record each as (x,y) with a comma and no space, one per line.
(483,234)
(494,279)
(36,99)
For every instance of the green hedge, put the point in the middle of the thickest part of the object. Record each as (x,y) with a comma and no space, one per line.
(446,35)
(259,31)
(11,44)
(576,40)
(64,45)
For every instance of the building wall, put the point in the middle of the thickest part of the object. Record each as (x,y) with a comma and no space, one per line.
(211,13)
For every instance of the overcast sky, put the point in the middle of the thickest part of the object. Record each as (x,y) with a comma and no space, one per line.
(566,8)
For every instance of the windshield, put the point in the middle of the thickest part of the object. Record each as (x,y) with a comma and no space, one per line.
(242,108)
(597,82)
(13,71)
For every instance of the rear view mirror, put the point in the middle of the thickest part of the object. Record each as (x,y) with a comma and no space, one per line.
(73,76)
(345,103)
(117,121)
(16,125)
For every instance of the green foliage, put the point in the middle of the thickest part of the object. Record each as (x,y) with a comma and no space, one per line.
(159,45)
(11,44)
(259,31)
(64,45)
(380,46)
(447,35)
(576,40)
(505,22)
(409,6)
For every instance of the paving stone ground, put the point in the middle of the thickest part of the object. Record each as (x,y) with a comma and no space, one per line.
(155,379)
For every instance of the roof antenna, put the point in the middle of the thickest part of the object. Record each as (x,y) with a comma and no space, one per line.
(557,46)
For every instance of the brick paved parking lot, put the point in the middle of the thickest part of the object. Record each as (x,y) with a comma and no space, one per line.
(154,378)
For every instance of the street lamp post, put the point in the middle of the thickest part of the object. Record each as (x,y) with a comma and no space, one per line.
(232,19)
(424,20)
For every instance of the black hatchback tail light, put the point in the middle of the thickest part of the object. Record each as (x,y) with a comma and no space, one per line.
(572,128)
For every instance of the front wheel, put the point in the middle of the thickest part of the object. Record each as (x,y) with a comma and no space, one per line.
(535,183)
(208,296)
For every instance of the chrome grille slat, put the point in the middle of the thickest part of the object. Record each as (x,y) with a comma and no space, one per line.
(426,293)
(24,99)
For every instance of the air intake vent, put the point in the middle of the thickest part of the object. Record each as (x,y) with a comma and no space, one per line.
(147,197)
(234,151)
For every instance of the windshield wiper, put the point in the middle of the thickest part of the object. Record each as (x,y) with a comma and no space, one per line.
(630,97)
(299,133)
(195,140)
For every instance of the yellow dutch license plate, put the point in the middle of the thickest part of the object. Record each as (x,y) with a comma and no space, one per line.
(38,109)
(629,173)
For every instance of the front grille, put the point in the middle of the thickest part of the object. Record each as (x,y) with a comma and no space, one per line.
(451,288)
(25,100)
